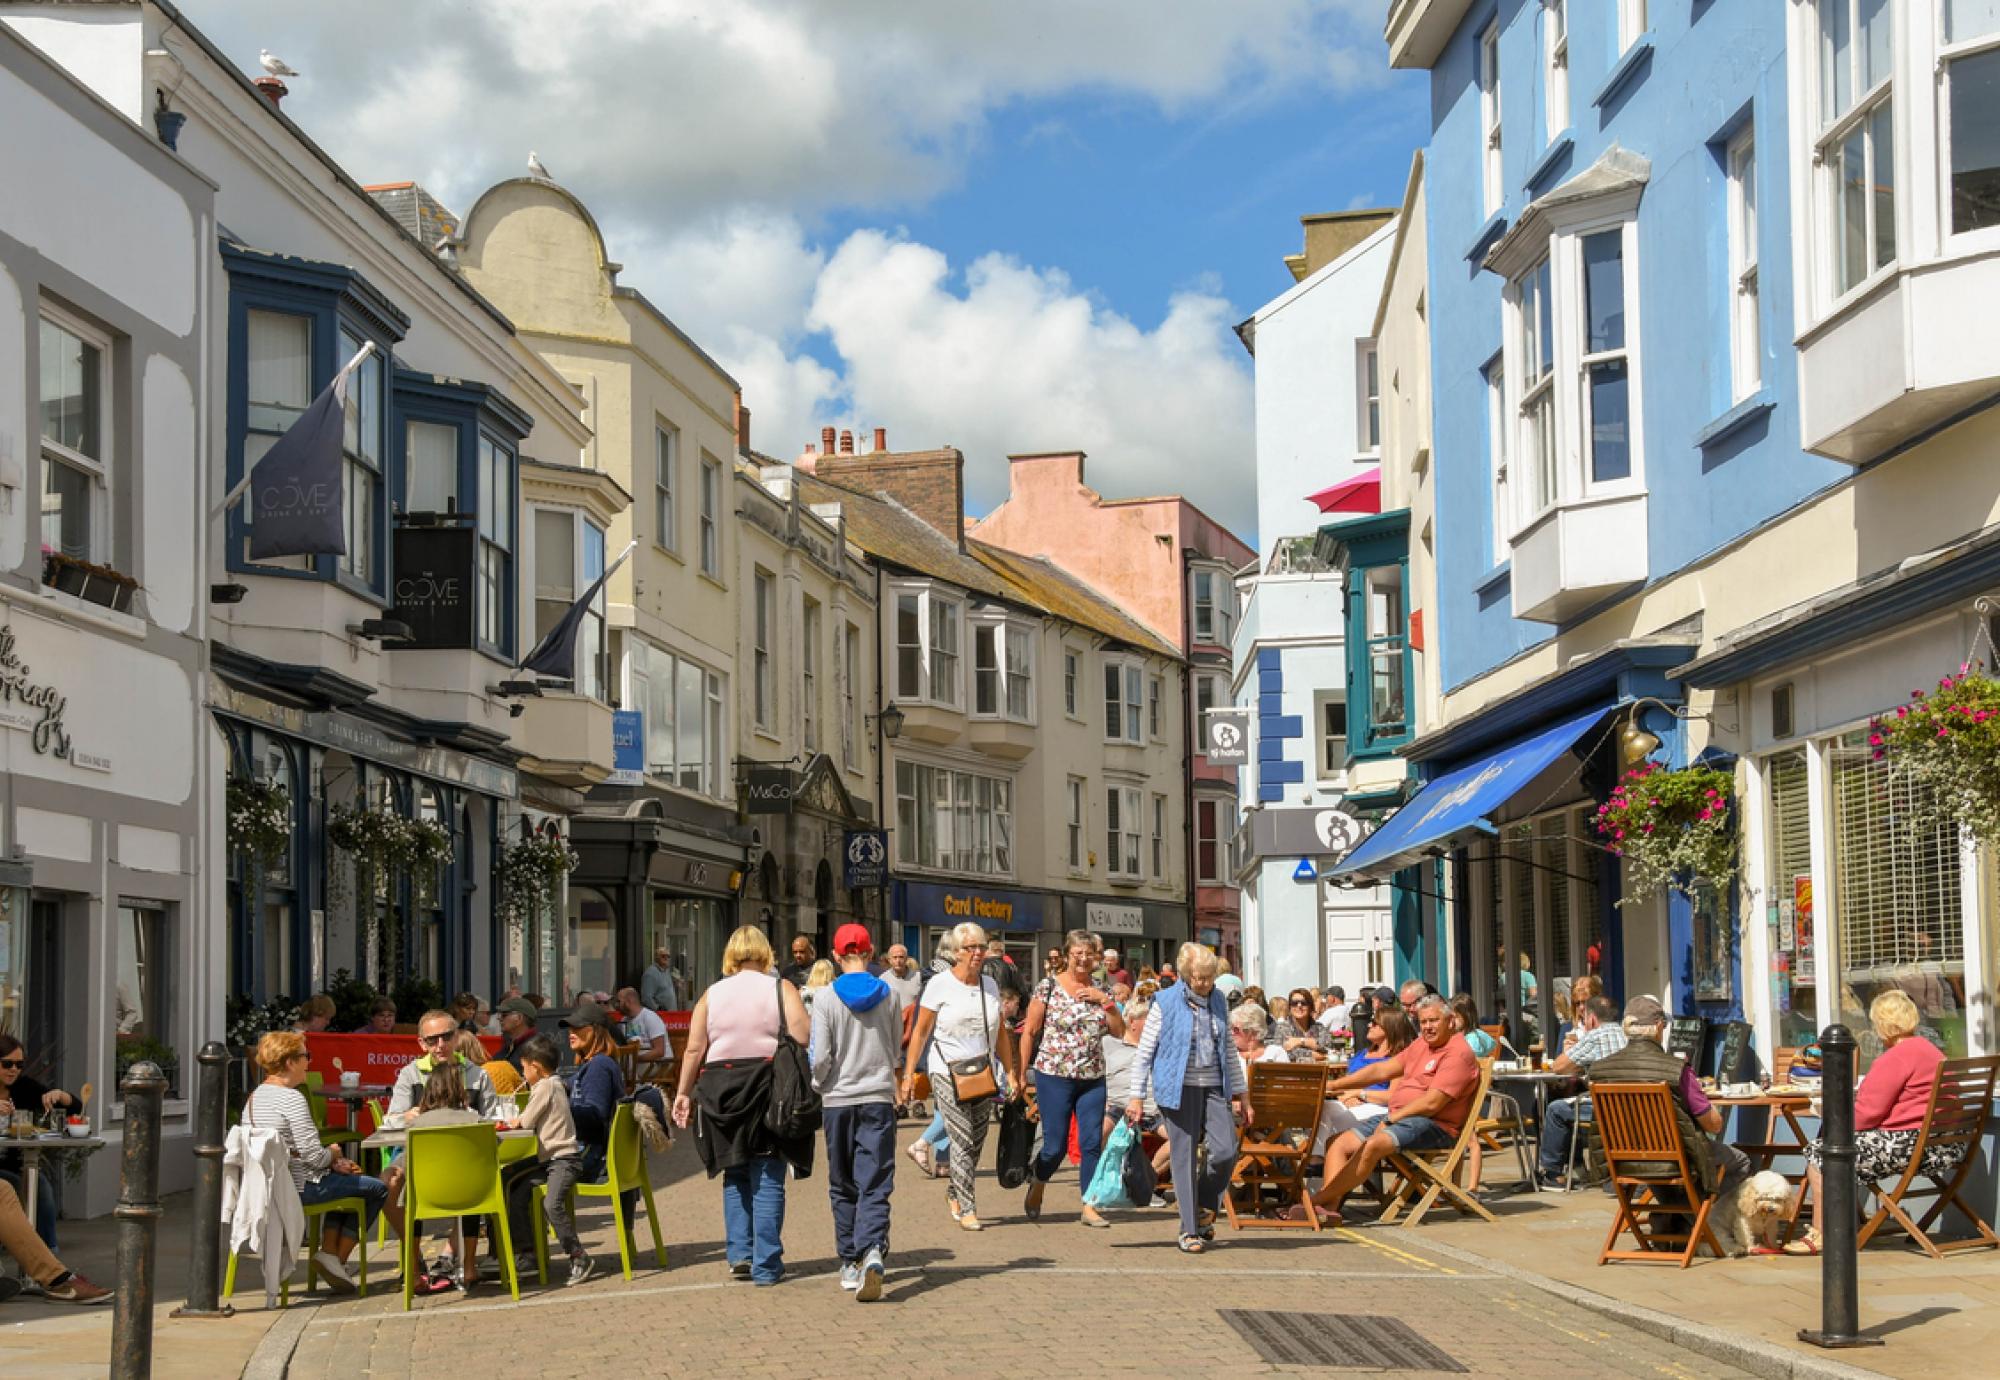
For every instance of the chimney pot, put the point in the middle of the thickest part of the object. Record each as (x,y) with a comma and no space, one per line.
(826,440)
(881,438)
(272,90)
(847,443)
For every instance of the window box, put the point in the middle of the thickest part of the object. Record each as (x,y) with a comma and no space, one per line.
(92,583)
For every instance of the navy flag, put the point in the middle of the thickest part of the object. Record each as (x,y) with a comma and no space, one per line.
(295,507)
(555,655)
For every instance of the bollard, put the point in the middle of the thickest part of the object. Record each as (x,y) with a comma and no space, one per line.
(138,1216)
(205,1273)
(1840,1303)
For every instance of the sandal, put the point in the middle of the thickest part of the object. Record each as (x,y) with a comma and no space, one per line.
(1804,1245)
(1327,1217)
(1192,1245)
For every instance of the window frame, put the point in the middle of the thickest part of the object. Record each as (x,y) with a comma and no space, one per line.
(1555,69)
(1125,727)
(849,656)
(1334,701)
(98,470)
(1212,620)
(1949,51)
(1214,840)
(1824,137)
(1632,24)
(495,621)
(999,632)
(1368,399)
(928,657)
(581,528)
(1746,328)
(1492,169)
(810,619)
(935,818)
(1072,677)
(710,552)
(666,486)
(1499,453)
(663,666)
(1122,807)
(763,632)
(1159,837)
(1076,821)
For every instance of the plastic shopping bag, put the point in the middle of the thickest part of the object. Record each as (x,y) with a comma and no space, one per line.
(1107,1182)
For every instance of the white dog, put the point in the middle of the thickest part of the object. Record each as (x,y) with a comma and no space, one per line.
(1747,1215)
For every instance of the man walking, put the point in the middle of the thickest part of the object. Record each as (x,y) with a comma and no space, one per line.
(800,968)
(902,976)
(660,985)
(857,1037)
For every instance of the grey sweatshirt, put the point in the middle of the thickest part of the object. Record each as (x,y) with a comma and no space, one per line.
(857,1041)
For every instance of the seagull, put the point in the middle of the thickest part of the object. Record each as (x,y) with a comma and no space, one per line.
(273,64)
(535,166)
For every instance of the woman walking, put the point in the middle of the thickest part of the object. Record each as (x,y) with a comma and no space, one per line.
(1068,1021)
(1186,1058)
(961,1017)
(732,1035)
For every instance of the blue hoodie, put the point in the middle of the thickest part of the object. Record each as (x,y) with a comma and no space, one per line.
(857,1041)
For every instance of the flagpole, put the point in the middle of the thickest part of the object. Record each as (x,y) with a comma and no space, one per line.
(230,499)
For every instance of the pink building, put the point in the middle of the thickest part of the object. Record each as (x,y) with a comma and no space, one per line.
(1174,568)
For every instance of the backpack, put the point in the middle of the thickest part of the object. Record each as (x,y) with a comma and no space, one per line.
(793,1111)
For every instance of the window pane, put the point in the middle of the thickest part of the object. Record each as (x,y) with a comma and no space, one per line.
(138,1001)
(555,555)
(1975,138)
(1610,422)
(986,671)
(67,497)
(1881,135)
(689,679)
(1604,291)
(279,368)
(1789,914)
(1836,60)
(1385,676)
(496,497)
(1965,19)
(1113,701)
(909,647)
(1542,354)
(660,713)
(71,371)
(1849,189)
(1877,21)
(432,482)
(1385,601)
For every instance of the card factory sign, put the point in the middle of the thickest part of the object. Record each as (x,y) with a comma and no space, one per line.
(36,709)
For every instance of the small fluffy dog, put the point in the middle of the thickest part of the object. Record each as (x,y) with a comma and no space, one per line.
(1747,1215)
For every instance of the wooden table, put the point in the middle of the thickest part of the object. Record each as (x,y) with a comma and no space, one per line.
(1786,1106)
(32,1150)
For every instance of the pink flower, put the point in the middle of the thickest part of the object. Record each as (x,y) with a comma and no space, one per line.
(1617,833)
(1875,740)
(1902,712)
(1944,733)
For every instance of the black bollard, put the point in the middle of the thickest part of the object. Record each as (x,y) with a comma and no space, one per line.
(205,1271)
(138,1216)
(1840,1302)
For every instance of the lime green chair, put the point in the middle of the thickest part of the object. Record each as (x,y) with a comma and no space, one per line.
(625,1170)
(453,1171)
(316,1101)
(379,1107)
(315,1228)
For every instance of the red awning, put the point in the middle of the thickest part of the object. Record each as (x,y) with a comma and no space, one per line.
(1360,494)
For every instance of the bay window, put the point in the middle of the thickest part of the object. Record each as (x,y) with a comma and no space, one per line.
(926,630)
(1537,406)
(682,701)
(76,455)
(1121,831)
(954,821)
(1124,700)
(430,467)
(943,645)
(1388,703)
(1854,141)
(569,556)
(1212,590)
(1606,363)
(496,543)
(1002,670)
(1969,69)
(278,370)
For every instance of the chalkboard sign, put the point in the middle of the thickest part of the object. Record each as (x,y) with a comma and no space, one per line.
(1732,1062)
(1684,1037)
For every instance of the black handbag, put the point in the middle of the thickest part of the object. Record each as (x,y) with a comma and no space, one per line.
(1016,1150)
(793,1111)
(1140,1180)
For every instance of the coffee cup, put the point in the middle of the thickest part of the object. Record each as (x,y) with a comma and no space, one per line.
(77,1128)
(350,1078)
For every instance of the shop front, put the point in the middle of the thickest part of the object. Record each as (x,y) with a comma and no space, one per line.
(1019,924)
(804,819)
(1145,933)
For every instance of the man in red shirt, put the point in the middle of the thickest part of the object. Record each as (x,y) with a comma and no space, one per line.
(1431,1086)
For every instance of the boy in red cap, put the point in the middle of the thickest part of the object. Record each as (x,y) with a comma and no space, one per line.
(857,1039)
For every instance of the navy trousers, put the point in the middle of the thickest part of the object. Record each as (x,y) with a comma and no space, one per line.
(860,1175)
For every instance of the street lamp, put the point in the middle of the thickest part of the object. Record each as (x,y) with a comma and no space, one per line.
(890,721)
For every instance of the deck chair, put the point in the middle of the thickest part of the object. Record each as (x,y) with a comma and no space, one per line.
(1287,1100)
(1651,1175)
(1428,1175)
(1960,1100)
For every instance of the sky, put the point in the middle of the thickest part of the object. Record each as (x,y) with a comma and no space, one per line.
(1004,225)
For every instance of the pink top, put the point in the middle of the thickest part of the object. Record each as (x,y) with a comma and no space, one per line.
(743,1016)
(1897,1090)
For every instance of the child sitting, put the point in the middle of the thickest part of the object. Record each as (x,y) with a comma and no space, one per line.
(559,1165)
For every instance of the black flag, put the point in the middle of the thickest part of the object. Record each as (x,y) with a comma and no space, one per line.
(295,507)
(555,655)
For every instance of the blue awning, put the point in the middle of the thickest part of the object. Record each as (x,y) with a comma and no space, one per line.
(1458,803)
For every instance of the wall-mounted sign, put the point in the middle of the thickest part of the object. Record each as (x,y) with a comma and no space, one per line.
(1305,871)
(1325,833)
(1226,738)
(334,729)
(768,791)
(866,852)
(34,708)
(939,905)
(628,747)
(1105,917)
(433,588)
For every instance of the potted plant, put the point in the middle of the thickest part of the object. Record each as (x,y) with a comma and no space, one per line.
(259,818)
(531,873)
(96,584)
(133,1049)
(1947,743)
(1673,829)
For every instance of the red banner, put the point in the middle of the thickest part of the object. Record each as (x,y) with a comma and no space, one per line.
(377,1058)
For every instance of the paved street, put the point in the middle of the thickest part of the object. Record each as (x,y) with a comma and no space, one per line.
(1144,1306)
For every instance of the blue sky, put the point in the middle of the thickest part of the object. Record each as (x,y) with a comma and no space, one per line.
(1008,227)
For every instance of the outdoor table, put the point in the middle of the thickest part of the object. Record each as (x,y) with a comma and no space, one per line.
(1785,1106)
(398,1138)
(32,1149)
(353,1099)
(1542,1079)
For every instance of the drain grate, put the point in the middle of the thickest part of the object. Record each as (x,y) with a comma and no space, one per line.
(1344,1341)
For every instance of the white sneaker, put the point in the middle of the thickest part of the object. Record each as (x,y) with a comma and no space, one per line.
(334,1271)
(869,1287)
(850,1275)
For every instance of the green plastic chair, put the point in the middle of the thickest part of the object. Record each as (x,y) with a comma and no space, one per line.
(453,1171)
(317,1102)
(315,1228)
(624,1169)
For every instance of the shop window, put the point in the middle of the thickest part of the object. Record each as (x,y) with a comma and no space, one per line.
(142,977)
(1789,910)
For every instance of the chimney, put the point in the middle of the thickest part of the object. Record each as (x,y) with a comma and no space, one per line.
(271,89)
(742,427)
(847,443)
(930,483)
(881,438)
(826,440)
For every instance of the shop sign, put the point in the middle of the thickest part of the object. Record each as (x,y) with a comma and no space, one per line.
(768,791)
(1226,738)
(628,747)
(433,588)
(361,739)
(1105,917)
(866,852)
(929,903)
(36,709)
(1325,833)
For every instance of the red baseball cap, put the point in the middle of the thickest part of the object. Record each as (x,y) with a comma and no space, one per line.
(852,939)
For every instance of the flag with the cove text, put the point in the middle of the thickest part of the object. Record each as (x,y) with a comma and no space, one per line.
(295,505)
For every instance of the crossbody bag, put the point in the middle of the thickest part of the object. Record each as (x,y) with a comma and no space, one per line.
(972,1079)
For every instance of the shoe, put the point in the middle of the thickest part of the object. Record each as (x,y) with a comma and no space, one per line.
(1032,1204)
(1160,1200)
(76,1289)
(970,1223)
(871,1276)
(957,1213)
(489,1268)
(1807,1244)
(1553,1180)
(334,1271)
(850,1275)
(739,1269)
(525,1264)
(920,1151)
(1091,1219)
(582,1267)
(9,1287)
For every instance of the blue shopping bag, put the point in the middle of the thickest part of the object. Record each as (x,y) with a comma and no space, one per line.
(1107,1183)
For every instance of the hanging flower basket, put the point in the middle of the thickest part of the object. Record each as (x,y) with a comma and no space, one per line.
(1947,743)
(260,818)
(1673,829)
(382,845)
(531,873)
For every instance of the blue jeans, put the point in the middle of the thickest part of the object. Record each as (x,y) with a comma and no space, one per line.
(1557,1128)
(329,1186)
(45,1199)
(860,1175)
(1059,1100)
(935,1132)
(753,1216)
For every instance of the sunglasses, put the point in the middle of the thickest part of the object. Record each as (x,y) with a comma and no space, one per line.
(1301,1003)
(13,1063)
(438,1038)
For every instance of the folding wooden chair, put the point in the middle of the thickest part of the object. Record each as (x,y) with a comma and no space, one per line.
(1960,1101)
(1429,1175)
(1651,1175)
(627,1056)
(1287,1100)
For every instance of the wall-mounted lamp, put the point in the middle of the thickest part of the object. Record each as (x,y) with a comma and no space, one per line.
(1635,743)
(890,721)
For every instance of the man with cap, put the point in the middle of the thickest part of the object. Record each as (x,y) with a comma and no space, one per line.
(855,1050)
(517,1023)
(1716,1165)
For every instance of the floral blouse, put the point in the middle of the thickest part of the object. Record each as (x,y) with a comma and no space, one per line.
(1073,1032)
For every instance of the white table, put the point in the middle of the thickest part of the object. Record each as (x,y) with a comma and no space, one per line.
(32,1150)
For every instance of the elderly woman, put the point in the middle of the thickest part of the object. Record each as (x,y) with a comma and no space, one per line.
(1249,1033)
(22,1091)
(933,1147)
(320,1173)
(1889,1109)
(732,1035)
(1069,1018)
(961,1018)
(1184,1057)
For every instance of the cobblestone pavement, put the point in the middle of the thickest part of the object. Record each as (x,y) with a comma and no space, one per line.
(1126,1295)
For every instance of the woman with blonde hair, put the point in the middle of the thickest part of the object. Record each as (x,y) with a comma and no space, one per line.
(732,1036)
(961,1018)
(822,975)
(506,1079)
(1889,1109)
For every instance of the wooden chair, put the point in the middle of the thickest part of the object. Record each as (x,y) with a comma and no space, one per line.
(1763,1153)
(1287,1100)
(1428,1175)
(627,1056)
(1961,1098)
(1650,1174)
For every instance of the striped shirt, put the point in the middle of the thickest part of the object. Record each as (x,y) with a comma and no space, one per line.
(1204,1065)
(274,1107)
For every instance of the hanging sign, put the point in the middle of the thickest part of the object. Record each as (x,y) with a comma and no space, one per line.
(1226,739)
(867,856)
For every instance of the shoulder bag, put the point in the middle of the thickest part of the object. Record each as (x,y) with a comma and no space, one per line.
(793,1111)
(972,1079)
